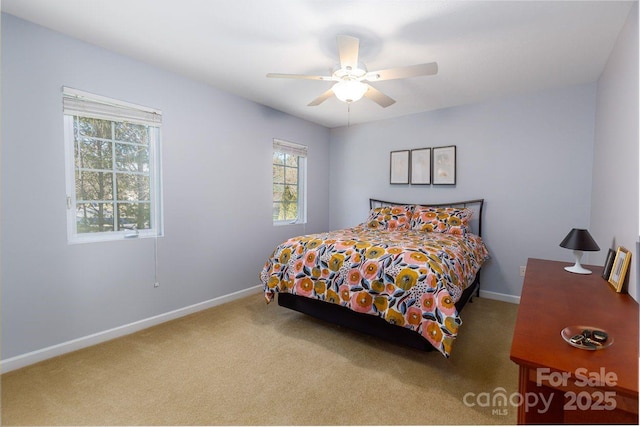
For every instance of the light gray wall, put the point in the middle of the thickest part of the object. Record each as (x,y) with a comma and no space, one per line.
(217,194)
(614,208)
(530,157)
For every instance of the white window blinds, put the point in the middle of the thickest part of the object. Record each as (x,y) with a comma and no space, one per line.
(79,103)
(289,148)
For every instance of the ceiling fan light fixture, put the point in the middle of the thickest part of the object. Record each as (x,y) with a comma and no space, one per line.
(349,90)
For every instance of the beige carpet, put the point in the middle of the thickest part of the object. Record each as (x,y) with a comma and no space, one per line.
(248,363)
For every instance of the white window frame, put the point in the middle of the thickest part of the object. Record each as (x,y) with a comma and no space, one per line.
(83,104)
(301,151)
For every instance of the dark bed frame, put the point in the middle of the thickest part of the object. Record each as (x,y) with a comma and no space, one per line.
(374,325)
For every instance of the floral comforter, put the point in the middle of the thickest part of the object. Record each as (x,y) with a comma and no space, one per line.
(408,277)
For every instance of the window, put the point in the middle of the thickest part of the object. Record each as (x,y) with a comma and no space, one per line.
(113,168)
(289,183)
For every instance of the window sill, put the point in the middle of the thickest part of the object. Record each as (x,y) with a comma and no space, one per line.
(282,223)
(111,237)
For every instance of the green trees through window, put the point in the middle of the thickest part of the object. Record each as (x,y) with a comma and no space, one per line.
(285,187)
(112,175)
(289,176)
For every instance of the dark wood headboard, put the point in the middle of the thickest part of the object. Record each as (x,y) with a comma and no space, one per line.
(476,205)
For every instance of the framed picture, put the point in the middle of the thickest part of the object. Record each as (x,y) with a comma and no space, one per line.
(399,167)
(619,269)
(444,165)
(421,166)
(608,264)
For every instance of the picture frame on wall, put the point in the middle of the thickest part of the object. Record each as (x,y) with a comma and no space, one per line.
(608,264)
(619,269)
(421,166)
(444,165)
(399,167)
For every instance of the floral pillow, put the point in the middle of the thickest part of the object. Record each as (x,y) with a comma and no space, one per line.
(441,220)
(390,217)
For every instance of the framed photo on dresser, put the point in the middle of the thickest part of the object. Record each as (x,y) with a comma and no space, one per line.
(608,264)
(619,269)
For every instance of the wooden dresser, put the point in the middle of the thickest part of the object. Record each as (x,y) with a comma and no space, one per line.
(561,384)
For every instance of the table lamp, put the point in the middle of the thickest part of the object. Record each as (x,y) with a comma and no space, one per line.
(579,240)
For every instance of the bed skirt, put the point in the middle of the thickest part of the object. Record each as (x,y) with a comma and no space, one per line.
(372,325)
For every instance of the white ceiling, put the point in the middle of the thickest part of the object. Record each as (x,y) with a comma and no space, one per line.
(484,49)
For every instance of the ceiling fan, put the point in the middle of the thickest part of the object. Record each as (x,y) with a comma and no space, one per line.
(352,76)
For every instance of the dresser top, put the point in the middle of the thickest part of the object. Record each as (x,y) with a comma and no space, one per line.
(552,299)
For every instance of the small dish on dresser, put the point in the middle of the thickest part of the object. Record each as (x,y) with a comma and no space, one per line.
(587,337)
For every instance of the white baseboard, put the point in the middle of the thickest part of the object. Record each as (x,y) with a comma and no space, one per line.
(499,297)
(27,359)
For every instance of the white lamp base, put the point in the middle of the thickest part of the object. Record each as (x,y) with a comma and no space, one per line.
(577,268)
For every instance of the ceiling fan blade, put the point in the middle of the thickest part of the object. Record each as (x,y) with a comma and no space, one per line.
(378,97)
(319,100)
(348,51)
(428,69)
(299,76)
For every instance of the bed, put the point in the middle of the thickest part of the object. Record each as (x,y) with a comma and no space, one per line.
(404,274)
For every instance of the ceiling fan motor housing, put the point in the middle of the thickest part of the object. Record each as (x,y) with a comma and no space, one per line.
(350,73)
